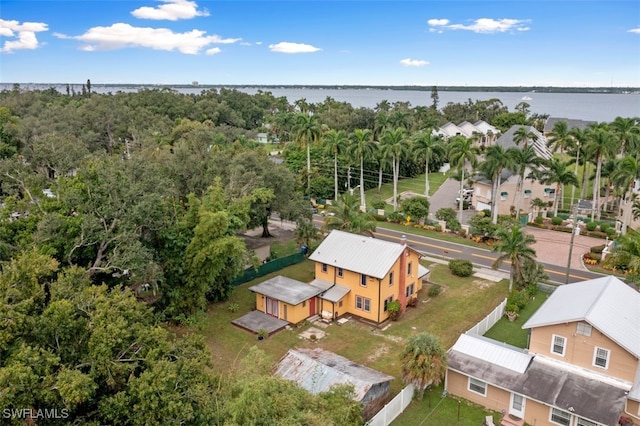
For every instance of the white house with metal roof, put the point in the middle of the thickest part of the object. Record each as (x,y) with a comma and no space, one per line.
(581,367)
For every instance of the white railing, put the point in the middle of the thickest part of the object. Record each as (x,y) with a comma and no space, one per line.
(393,408)
(489,321)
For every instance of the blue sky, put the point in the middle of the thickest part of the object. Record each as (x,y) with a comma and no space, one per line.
(505,43)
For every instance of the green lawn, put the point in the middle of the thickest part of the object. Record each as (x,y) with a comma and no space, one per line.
(461,304)
(443,236)
(415,184)
(512,332)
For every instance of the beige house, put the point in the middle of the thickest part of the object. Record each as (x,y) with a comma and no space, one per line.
(484,133)
(531,189)
(581,369)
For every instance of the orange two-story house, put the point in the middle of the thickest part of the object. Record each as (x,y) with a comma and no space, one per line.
(581,368)
(354,274)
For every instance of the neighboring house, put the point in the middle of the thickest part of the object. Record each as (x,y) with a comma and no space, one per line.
(484,132)
(572,123)
(354,274)
(262,138)
(581,369)
(531,189)
(317,370)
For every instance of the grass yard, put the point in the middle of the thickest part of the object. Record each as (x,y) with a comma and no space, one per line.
(436,410)
(512,332)
(443,236)
(461,304)
(415,184)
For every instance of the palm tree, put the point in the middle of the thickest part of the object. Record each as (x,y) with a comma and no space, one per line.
(336,143)
(515,246)
(524,135)
(496,160)
(624,177)
(307,232)
(461,151)
(560,138)
(627,131)
(426,145)
(601,144)
(522,160)
(423,362)
(346,215)
(399,118)
(556,171)
(580,138)
(626,253)
(394,146)
(362,146)
(307,131)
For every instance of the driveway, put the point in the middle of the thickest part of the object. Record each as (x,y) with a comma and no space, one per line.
(553,247)
(446,196)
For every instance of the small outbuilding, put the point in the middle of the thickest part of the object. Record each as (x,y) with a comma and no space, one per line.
(317,370)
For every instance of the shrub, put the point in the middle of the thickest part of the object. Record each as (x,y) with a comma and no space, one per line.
(511,307)
(531,290)
(460,267)
(556,220)
(446,214)
(378,203)
(434,290)
(604,227)
(487,212)
(610,232)
(394,310)
(454,225)
(412,302)
(396,217)
(518,298)
(591,226)
(597,249)
(462,233)
(539,220)
(233,307)
(380,218)
(437,228)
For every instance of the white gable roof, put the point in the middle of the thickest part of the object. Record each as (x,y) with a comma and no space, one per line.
(484,127)
(488,350)
(606,303)
(357,253)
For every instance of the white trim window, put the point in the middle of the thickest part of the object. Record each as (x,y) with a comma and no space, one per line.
(601,357)
(559,417)
(558,344)
(585,422)
(340,272)
(324,268)
(584,329)
(477,386)
(363,304)
(363,280)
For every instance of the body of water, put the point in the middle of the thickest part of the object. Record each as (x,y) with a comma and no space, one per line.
(583,106)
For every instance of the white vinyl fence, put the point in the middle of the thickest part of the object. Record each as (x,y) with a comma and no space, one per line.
(489,321)
(393,408)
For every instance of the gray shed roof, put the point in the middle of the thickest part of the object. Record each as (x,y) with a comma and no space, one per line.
(316,370)
(357,253)
(331,292)
(572,123)
(550,382)
(286,290)
(606,303)
(506,356)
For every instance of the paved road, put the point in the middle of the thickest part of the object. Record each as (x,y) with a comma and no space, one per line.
(478,256)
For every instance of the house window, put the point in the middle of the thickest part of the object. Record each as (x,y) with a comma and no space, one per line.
(363,304)
(340,304)
(601,357)
(558,344)
(390,278)
(363,280)
(387,301)
(503,196)
(340,272)
(409,291)
(527,193)
(477,386)
(560,417)
(585,422)
(584,329)
(304,303)
(409,268)
(324,268)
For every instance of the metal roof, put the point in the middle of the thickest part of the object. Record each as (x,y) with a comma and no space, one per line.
(316,370)
(331,292)
(606,303)
(549,382)
(422,271)
(539,145)
(572,123)
(357,253)
(505,356)
(286,289)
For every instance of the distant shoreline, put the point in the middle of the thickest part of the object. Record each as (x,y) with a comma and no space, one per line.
(506,89)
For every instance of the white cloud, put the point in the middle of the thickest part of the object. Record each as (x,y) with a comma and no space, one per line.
(287,47)
(25,37)
(120,36)
(482,25)
(437,22)
(213,51)
(413,62)
(635,31)
(171,10)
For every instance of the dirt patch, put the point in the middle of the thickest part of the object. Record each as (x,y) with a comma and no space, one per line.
(483,283)
(380,351)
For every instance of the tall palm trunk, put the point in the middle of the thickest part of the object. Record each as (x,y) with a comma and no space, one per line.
(495,205)
(596,191)
(519,196)
(426,178)
(362,200)
(396,171)
(555,202)
(461,202)
(308,166)
(335,176)
(379,178)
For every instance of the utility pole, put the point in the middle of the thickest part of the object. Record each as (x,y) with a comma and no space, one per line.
(573,234)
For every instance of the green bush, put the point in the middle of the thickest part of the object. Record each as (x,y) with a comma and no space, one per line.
(518,298)
(462,233)
(539,220)
(597,249)
(446,214)
(512,307)
(610,232)
(434,290)
(556,220)
(604,227)
(378,203)
(591,226)
(437,228)
(394,310)
(454,225)
(380,217)
(460,267)
(396,217)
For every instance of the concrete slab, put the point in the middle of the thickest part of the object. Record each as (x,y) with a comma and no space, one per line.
(256,320)
(491,275)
